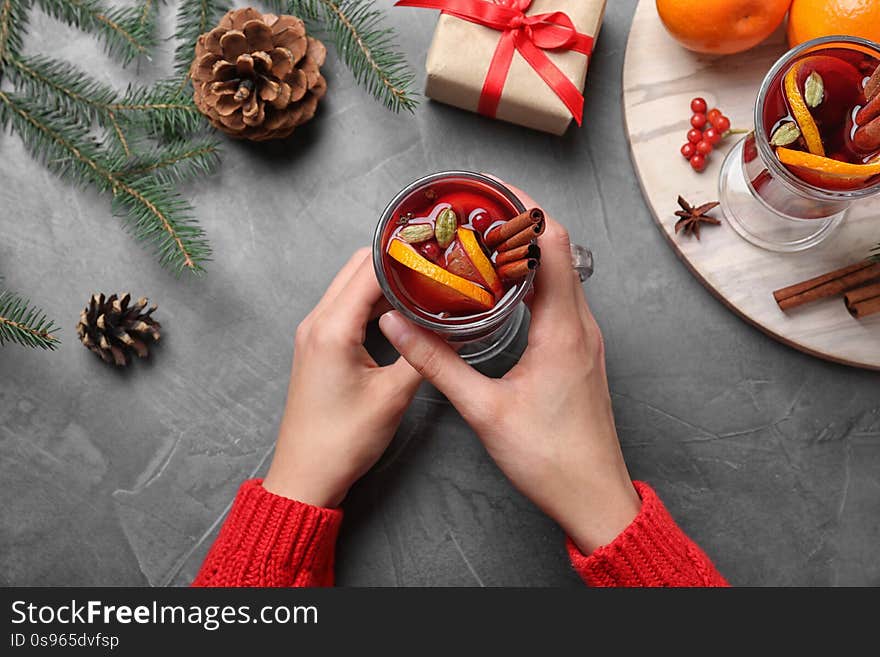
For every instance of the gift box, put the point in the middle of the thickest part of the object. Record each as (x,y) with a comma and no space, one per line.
(520,61)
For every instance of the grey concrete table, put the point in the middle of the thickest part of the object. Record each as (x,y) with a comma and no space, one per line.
(770,459)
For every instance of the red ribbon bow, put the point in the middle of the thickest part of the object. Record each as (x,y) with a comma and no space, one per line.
(529,35)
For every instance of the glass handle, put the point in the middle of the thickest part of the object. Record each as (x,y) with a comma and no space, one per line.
(582,261)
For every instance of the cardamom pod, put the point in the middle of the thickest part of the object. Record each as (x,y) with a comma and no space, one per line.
(786,134)
(416,233)
(814,90)
(445,227)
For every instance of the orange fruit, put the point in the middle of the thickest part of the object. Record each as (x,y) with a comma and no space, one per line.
(825,172)
(468,261)
(721,27)
(801,112)
(810,19)
(438,290)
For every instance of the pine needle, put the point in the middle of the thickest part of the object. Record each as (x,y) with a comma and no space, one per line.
(194,17)
(156,215)
(174,163)
(147,12)
(122,30)
(365,45)
(13,23)
(61,86)
(166,109)
(25,324)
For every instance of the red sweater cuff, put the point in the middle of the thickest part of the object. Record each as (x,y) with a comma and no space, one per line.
(269,540)
(651,551)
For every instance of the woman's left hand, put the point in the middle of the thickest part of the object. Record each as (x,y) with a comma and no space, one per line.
(342,408)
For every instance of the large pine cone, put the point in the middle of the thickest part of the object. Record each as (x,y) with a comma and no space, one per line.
(110,328)
(258,76)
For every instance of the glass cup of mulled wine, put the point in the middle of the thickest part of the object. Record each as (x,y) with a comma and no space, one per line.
(456,253)
(815,149)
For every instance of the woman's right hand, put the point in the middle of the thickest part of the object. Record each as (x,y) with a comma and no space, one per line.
(548,423)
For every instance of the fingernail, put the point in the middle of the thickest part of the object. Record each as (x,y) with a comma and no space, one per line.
(395,327)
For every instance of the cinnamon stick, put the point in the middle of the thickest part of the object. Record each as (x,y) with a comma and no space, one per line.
(513,271)
(869,112)
(863,301)
(520,252)
(873,87)
(510,228)
(828,285)
(867,137)
(522,238)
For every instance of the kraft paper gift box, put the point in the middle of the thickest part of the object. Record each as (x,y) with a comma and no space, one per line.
(461,52)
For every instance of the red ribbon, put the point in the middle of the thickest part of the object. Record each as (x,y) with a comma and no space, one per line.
(528,35)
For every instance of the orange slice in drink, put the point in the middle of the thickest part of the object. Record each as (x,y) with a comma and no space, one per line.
(801,112)
(825,172)
(436,289)
(467,259)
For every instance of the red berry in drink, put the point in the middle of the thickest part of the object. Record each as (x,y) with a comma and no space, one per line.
(694,135)
(704,147)
(698,121)
(698,106)
(688,150)
(481,222)
(712,136)
(698,162)
(721,124)
(714,115)
(430,250)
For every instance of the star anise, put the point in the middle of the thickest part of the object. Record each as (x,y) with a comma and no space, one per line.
(692,217)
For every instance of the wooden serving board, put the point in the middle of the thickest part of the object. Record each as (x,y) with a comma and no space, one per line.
(659,80)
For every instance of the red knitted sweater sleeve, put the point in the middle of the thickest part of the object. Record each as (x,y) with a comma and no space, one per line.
(652,551)
(269,540)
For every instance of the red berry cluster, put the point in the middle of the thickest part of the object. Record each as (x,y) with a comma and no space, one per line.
(700,142)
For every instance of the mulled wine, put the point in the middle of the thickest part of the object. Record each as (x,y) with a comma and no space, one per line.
(821,115)
(815,150)
(455,250)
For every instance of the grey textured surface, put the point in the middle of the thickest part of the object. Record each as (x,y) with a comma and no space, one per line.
(770,459)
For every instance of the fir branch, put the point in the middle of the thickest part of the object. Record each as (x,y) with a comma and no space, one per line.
(60,86)
(146,12)
(124,34)
(156,215)
(13,24)
(194,17)
(165,109)
(174,163)
(25,324)
(366,46)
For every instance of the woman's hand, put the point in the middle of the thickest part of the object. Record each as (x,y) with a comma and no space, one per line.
(342,408)
(548,423)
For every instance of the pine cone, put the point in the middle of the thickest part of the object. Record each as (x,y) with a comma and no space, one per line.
(257,76)
(110,328)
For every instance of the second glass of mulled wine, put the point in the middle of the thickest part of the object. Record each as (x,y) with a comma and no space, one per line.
(815,149)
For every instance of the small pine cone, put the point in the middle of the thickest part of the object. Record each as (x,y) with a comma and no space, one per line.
(257,76)
(111,329)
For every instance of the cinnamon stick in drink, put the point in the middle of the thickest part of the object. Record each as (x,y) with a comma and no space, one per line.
(869,112)
(873,87)
(513,271)
(510,228)
(863,301)
(867,137)
(525,236)
(520,252)
(829,285)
